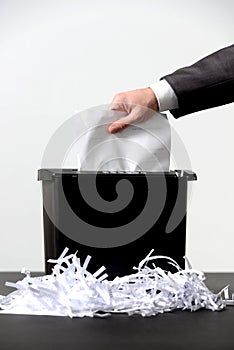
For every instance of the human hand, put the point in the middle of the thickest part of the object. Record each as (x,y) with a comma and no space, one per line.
(139,104)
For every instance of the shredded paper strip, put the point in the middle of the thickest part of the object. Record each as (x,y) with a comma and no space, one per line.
(71,290)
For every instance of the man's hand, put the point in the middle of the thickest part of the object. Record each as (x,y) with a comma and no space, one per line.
(138,104)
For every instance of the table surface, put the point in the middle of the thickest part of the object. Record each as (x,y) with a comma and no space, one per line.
(180,330)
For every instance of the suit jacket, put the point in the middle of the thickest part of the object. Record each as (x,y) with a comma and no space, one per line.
(205,84)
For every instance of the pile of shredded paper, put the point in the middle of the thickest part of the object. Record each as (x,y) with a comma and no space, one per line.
(71,290)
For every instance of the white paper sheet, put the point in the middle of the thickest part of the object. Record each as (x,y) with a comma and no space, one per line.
(144,146)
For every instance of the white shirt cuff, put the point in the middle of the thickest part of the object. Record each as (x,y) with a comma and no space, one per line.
(165,95)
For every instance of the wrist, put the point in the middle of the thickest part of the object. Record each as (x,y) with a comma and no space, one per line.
(152,99)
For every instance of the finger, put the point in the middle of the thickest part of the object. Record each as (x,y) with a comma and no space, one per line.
(117,106)
(118,102)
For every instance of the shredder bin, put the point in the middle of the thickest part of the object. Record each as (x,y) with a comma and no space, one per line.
(58,184)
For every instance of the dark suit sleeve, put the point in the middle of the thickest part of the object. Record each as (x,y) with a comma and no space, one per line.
(205,84)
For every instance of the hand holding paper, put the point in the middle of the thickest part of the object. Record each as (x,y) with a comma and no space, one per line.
(138,104)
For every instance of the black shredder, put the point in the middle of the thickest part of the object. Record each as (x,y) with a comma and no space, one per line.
(152,215)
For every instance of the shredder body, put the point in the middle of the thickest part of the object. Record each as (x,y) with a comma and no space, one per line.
(58,184)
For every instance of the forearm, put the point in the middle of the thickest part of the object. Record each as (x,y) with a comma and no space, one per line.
(205,84)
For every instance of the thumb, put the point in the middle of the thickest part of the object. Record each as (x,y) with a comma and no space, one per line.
(120,124)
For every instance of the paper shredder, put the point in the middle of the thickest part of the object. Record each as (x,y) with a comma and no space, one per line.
(72,220)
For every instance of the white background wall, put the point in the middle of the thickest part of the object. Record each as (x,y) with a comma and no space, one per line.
(60,56)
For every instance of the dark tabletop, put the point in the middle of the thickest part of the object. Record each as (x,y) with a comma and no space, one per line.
(176,330)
